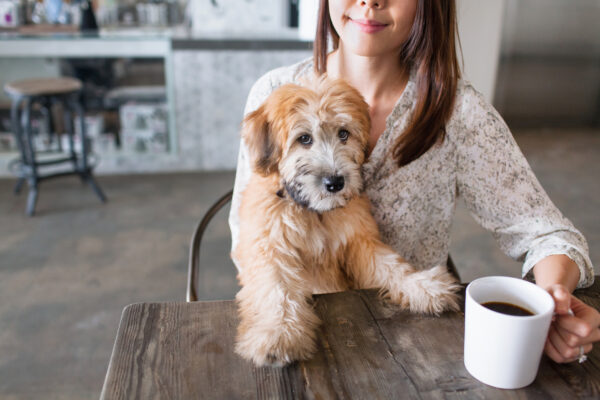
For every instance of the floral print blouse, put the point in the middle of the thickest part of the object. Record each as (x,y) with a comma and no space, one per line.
(478,160)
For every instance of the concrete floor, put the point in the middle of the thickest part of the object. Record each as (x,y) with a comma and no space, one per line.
(66,274)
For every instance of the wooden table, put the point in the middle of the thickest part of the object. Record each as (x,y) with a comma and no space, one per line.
(367,349)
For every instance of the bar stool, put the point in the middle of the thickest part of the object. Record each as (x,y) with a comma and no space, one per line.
(45,92)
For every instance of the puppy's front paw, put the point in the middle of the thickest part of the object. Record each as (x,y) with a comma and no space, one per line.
(277,346)
(430,291)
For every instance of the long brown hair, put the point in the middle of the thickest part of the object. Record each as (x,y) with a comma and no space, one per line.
(431,49)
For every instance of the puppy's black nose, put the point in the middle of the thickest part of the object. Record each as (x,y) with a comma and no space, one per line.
(334,183)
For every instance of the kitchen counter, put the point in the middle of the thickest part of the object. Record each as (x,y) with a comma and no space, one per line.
(139,41)
(207,79)
(83,44)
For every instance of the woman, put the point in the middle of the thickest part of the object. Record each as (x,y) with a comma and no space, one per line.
(433,138)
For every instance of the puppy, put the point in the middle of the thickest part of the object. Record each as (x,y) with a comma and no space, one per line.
(305,224)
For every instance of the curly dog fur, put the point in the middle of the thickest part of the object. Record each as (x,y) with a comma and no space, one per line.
(305,224)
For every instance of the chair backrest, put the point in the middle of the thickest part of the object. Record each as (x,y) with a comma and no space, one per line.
(194,261)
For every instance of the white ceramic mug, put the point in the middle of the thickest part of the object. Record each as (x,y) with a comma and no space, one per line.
(503,350)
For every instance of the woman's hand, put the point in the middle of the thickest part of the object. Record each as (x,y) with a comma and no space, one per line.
(568,333)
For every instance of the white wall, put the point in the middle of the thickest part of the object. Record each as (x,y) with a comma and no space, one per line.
(480,30)
(550,75)
(552,27)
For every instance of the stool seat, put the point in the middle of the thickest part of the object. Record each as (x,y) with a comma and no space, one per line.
(43,86)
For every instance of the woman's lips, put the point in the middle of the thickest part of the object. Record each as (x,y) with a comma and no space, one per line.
(368,26)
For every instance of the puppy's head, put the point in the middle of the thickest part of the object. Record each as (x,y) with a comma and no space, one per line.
(315,138)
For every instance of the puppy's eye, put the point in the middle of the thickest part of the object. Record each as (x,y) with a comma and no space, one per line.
(305,139)
(343,135)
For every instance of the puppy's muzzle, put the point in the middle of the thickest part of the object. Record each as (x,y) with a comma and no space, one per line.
(333,184)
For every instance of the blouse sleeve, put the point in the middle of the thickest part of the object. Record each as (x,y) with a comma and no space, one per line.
(258,94)
(505,197)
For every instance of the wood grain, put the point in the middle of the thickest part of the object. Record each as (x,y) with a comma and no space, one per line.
(43,86)
(367,349)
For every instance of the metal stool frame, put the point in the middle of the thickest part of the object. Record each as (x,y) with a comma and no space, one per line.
(21,125)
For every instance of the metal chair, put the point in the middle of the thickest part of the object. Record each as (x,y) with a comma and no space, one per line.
(194,260)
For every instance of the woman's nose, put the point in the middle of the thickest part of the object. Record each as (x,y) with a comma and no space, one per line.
(372,3)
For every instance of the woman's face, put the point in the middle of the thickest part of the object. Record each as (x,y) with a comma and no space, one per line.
(372,28)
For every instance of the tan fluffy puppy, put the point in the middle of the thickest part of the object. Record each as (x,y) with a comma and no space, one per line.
(305,226)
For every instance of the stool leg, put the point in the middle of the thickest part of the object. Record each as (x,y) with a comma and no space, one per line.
(68,121)
(80,112)
(31,199)
(16,125)
(27,139)
(94,185)
(49,122)
(18,134)
(19,185)
(32,176)
(84,170)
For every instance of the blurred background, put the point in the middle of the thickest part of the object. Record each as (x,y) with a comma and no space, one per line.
(164,88)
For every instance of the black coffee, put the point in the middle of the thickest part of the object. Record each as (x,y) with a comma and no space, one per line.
(507,308)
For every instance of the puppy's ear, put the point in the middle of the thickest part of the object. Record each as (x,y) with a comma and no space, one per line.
(261,141)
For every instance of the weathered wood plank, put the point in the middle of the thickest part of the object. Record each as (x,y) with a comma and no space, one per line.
(184,351)
(353,355)
(206,355)
(278,383)
(173,347)
(431,347)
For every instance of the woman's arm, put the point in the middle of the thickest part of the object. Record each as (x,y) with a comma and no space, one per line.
(504,196)
(556,269)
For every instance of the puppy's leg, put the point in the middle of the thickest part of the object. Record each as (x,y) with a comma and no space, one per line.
(277,323)
(372,264)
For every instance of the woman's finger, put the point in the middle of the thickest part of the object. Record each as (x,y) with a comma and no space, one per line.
(566,352)
(581,327)
(573,339)
(551,352)
(586,349)
(562,299)
(574,325)
(560,352)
